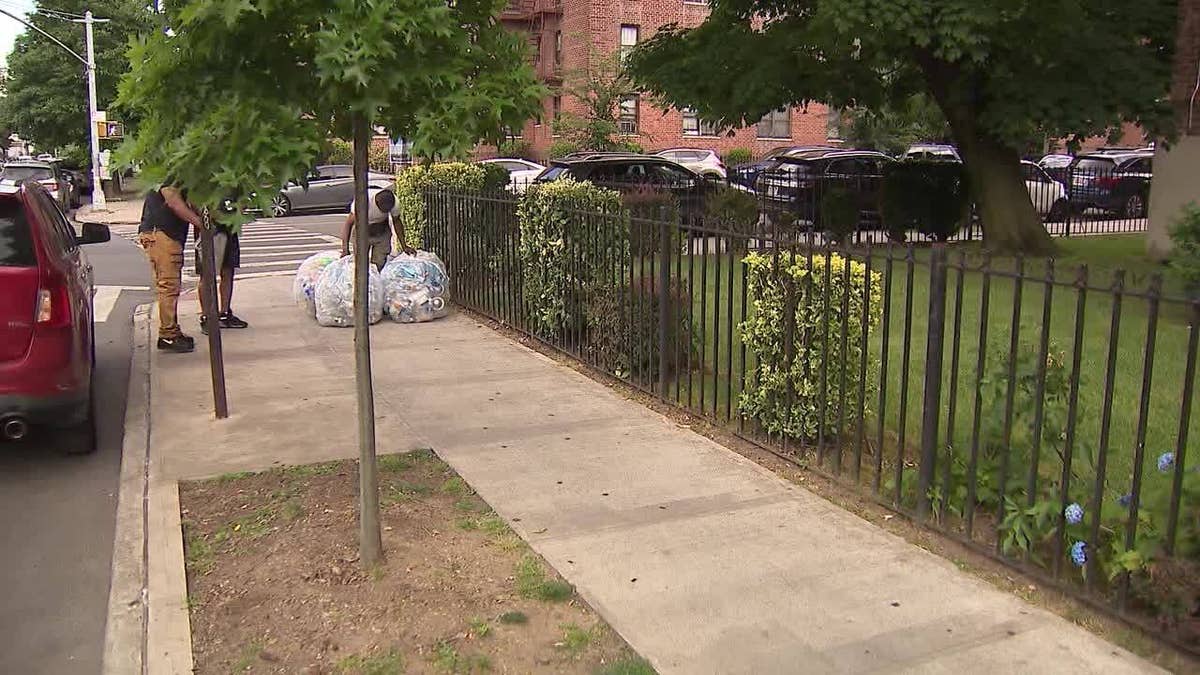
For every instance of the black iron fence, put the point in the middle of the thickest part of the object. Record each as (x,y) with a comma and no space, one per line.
(1038,414)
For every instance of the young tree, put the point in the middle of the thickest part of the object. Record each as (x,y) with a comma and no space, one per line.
(45,93)
(1000,72)
(599,87)
(892,127)
(238,96)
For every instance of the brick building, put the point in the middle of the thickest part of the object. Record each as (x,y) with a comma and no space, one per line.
(565,34)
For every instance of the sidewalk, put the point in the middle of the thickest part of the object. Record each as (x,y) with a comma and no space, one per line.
(123,212)
(703,561)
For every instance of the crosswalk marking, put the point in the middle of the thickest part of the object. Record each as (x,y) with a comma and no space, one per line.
(104,298)
(268,249)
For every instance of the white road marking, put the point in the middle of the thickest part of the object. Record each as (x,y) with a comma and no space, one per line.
(104,298)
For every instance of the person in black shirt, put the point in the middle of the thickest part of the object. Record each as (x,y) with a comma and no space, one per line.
(166,217)
(227,252)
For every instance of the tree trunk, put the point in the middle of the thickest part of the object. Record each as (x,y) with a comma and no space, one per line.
(370,542)
(1010,223)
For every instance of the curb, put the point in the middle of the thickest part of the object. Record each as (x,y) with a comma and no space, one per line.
(148,631)
(124,632)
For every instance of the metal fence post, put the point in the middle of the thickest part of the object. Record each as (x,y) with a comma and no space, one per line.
(932,400)
(452,259)
(664,297)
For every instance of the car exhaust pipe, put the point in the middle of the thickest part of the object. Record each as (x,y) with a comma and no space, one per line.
(13,428)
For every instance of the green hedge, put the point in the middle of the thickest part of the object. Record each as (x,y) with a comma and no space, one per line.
(770,283)
(565,254)
(929,197)
(737,156)
(622,322)
(414,181)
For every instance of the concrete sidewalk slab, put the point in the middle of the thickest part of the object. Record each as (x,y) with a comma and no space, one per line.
(704,561)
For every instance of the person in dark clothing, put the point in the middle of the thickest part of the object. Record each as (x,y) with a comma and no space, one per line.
(166,218)
(227,252)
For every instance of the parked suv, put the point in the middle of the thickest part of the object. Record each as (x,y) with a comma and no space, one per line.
(47,343)
(704,162)
(1115,181)
(627,173)
(797,179)
(46,173)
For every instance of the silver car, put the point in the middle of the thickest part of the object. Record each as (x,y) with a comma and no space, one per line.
(330,188)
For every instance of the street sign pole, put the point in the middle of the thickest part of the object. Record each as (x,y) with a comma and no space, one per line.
(97,181)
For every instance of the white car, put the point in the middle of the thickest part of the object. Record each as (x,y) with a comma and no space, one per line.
(521,172)
(1049,197)
(704,162)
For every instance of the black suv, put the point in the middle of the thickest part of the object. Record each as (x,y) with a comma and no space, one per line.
(1115,181)
(628,172)
(797,180)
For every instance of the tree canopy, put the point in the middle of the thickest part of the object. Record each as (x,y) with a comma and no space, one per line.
(1001,71)
(45,97)
(239,95)
(893,127)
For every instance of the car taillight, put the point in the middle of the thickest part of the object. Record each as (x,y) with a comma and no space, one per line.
(53,305)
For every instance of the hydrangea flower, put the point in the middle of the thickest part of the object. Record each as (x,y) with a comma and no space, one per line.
(1124,500)
(1079,554)
(1166,461)
(1074,514)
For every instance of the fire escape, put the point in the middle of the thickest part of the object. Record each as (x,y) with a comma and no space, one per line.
(531,16)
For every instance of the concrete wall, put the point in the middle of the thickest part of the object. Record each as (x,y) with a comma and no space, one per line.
(1176,182)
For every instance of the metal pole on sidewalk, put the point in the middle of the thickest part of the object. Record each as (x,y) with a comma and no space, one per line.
(370,541)
(209,304)
(97,184)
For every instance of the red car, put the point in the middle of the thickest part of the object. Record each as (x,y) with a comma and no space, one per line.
(47,348)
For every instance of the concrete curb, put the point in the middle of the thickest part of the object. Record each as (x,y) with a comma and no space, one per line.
(124,632)
(148,629)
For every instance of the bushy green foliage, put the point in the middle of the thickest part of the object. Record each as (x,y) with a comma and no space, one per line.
(732,211)
(622,321)
(839,211)
(1185,233)
(339,151)
(562,148)
(516,148)
(648,208)
(378,158)
(786,294)
(737,156)
(495,177)
(929,197)
(413,183)
(564,253)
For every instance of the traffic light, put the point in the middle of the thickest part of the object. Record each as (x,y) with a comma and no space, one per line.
(110,129)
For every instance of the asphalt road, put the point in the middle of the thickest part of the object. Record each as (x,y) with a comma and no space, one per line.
(57,511)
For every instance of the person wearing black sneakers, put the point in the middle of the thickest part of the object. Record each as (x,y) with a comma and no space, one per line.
(227,252)
(163,233)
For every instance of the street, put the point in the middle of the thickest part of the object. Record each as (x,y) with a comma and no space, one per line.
(59,510)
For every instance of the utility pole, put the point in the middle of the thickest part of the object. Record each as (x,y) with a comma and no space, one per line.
(90,64)
(97,179)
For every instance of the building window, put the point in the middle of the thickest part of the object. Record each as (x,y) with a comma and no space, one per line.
(629,40)
(556,108)
(627,122)
(694,126)
(558,47)
(776,124)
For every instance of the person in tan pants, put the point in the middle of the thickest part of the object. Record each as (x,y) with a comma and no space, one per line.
(166,218)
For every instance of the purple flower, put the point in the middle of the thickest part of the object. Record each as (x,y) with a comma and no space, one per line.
(1074,514)
(1079,554)
(1166,461)
(1124,500)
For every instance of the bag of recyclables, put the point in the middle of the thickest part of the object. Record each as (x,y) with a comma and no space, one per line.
(335,294)
(304,288)
(414,288)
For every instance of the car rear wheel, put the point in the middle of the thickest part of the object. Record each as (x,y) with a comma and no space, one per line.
(281,206)
(1134,207)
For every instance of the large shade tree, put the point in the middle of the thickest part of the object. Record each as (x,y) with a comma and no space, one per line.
(1001,71)
(45,92)
(237,96)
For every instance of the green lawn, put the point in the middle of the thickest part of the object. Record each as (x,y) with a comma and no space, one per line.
(715,380)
